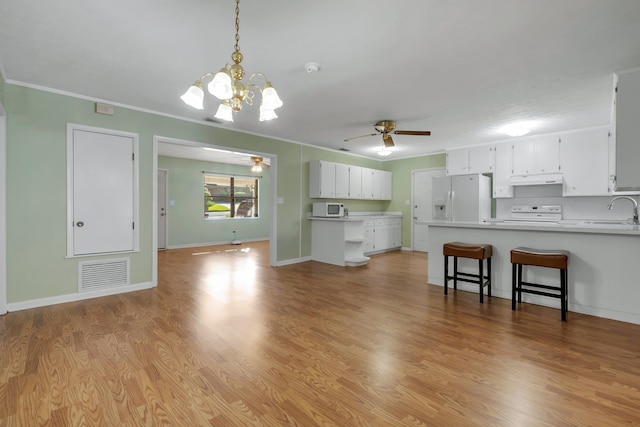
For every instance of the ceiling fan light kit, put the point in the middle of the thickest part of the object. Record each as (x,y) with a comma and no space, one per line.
(386,128)
(227,86)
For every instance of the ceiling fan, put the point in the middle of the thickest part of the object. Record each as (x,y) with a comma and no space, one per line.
(388,127)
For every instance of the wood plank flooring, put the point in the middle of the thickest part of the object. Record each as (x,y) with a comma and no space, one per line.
(226,340)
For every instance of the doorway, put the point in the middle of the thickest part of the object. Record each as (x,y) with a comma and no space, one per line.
(273,220)
(422,211)
(162,208)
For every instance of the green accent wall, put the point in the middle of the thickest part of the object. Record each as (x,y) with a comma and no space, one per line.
(401,170)
(187,225)
(36,187)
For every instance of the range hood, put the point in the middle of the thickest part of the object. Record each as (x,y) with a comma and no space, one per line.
(538,179)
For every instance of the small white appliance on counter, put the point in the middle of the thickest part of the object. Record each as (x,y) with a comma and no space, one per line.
(461,198)
(328,210)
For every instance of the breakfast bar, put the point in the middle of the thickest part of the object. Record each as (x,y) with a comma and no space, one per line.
(603,272)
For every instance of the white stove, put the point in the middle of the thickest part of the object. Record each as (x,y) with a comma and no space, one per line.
(535,214)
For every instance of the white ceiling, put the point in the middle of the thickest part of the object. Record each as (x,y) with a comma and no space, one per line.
(459,68)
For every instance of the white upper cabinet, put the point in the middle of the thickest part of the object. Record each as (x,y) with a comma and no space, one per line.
(627,131)
(329,180)
(381,185)
(481,159)
(537,155)
(367,184)
(342,181)
(355,182)
(583,162)
(464,161)
(458,162)
(502,173)
(322,179)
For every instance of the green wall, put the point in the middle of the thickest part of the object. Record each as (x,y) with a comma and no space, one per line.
(187,225)
(36,186)
(401,170)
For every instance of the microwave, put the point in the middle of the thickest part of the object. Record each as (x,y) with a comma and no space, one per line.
(328,209)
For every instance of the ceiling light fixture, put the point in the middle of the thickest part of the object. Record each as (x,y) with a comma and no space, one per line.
(517,129)
(227,86)
(384,152)
(257,164)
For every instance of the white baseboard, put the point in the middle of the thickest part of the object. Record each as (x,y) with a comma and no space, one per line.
(224,242)
(60,299)
(293,261)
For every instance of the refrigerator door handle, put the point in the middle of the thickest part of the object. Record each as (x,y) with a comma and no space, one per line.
(452,196)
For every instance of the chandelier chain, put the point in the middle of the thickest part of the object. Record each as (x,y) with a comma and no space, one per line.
(237,46)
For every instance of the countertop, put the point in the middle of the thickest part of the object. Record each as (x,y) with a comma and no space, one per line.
(357,217)
(577,226)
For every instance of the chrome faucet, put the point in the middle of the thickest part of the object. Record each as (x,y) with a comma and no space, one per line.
(635,207)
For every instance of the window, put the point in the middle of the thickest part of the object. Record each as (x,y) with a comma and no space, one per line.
(230,196)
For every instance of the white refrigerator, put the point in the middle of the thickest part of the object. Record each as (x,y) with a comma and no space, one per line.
(461,198)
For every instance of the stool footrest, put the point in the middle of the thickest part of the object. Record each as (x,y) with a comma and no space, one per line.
(537,285)
(533,291)
(462,277)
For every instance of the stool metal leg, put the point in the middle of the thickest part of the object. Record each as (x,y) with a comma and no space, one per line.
(513,286)
(446,274)
(519,284)
(481,280)
(455,272)
(563,294)
(489,275)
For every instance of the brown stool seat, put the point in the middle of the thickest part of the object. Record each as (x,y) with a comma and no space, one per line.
(481,252)
(467,250)
(540,257)
(549,258)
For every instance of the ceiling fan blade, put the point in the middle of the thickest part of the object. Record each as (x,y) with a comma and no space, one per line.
(388,142)
(412,132)
(361,136)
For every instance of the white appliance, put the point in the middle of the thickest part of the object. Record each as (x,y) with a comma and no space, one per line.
(545,214)
(461,198)
(328,210)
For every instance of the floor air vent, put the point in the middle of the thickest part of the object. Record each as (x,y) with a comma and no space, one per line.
(97,275)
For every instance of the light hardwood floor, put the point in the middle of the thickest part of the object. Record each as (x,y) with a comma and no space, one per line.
(226,340)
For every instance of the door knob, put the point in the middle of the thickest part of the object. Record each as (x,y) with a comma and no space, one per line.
(80,224)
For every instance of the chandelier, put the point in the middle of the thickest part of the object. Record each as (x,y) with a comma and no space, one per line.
(228,87)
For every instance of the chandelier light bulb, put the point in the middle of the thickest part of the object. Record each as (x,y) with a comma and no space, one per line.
(225,112)
(270,98)
(267,114)
(221,86)
(256,168)
(194,96)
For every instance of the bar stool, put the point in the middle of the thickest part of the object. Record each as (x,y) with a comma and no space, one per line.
(466,250)
(541,258)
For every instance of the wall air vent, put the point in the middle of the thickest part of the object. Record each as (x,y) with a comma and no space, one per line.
(104,274)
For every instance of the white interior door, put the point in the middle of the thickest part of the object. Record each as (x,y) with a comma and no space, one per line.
(162,209)
(422,206)
(103,190)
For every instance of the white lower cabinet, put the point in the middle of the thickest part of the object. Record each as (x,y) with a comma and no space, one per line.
(338,242)
(383,234)
(368,236)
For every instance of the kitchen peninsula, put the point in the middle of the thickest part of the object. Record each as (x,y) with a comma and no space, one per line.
(603,274)
(346,241)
